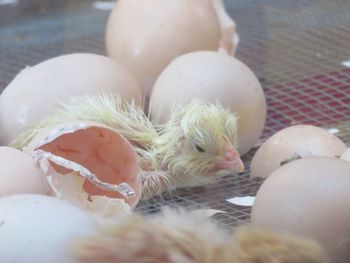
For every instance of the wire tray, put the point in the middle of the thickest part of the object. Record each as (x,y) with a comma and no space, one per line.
(299,50)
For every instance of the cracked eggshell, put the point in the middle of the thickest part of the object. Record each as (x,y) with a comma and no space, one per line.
(38,228)
(146,35)
(309,197)
(300,141)
(34,92)
(213,77)
(88,147)
(19,174)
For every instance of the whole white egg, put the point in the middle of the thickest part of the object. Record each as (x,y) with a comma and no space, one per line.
(38,228)
(32,94)
(213,77)
(308,198)
(19,174)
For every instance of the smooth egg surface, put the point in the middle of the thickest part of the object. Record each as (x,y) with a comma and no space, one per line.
(33,93)
(309,198)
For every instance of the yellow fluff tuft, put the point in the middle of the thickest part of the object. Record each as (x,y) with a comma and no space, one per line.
(183,237)
(127,118)
(254,245)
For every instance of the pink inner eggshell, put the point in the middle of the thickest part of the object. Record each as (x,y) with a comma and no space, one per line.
(104,153)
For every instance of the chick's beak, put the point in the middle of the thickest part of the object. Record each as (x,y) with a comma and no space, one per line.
(231,161)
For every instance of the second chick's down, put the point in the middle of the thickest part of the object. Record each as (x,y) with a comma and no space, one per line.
(195,147)
(183,237)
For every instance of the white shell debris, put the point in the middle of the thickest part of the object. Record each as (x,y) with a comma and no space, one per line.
(104,5)
(242,201)
(346,63)
(9,2)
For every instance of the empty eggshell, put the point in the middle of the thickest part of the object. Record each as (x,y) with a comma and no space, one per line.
(32,94)
(89,164)
(38,228)
(146,35)
(291,143)
(310,198)
(19,174)
(212,76)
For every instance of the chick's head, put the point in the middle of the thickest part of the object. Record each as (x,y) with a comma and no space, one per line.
(205,139)
(210,133)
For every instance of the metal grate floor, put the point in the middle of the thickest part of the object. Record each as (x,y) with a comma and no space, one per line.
(300,51)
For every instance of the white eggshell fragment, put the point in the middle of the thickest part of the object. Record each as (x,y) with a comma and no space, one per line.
(19,174)
(213,77)
(72,153)
(309,198)
(300,141)
(146,35)
(34,92)
(346,155)
(38,228)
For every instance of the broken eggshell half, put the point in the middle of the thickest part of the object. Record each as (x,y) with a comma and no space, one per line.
(90,165)
(229,36)
(294,142)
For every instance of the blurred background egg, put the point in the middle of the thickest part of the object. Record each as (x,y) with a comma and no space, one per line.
(19,174)
(213,77)
(309,198)
(32,93)
(38,228)
(146,35)
(97,148)
(300,141)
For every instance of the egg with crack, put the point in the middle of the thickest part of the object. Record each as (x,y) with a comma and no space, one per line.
(89,164)
(19,174)
(147,35)
(38,228)
(36,90)
(294,142)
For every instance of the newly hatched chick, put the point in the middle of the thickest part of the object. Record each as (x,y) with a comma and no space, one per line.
(196,146)
(180,237)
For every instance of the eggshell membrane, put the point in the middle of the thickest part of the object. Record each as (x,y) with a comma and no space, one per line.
(19,174)
(146,35)
(38,228)
(31,95)
(213,77)
(96,147)
(309,198)
(292,142)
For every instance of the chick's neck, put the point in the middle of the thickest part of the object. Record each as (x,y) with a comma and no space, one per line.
(162,163)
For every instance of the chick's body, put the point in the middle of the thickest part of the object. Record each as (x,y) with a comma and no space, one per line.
(193,148)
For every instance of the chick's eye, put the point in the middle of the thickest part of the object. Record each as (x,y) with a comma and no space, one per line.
(199,149)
